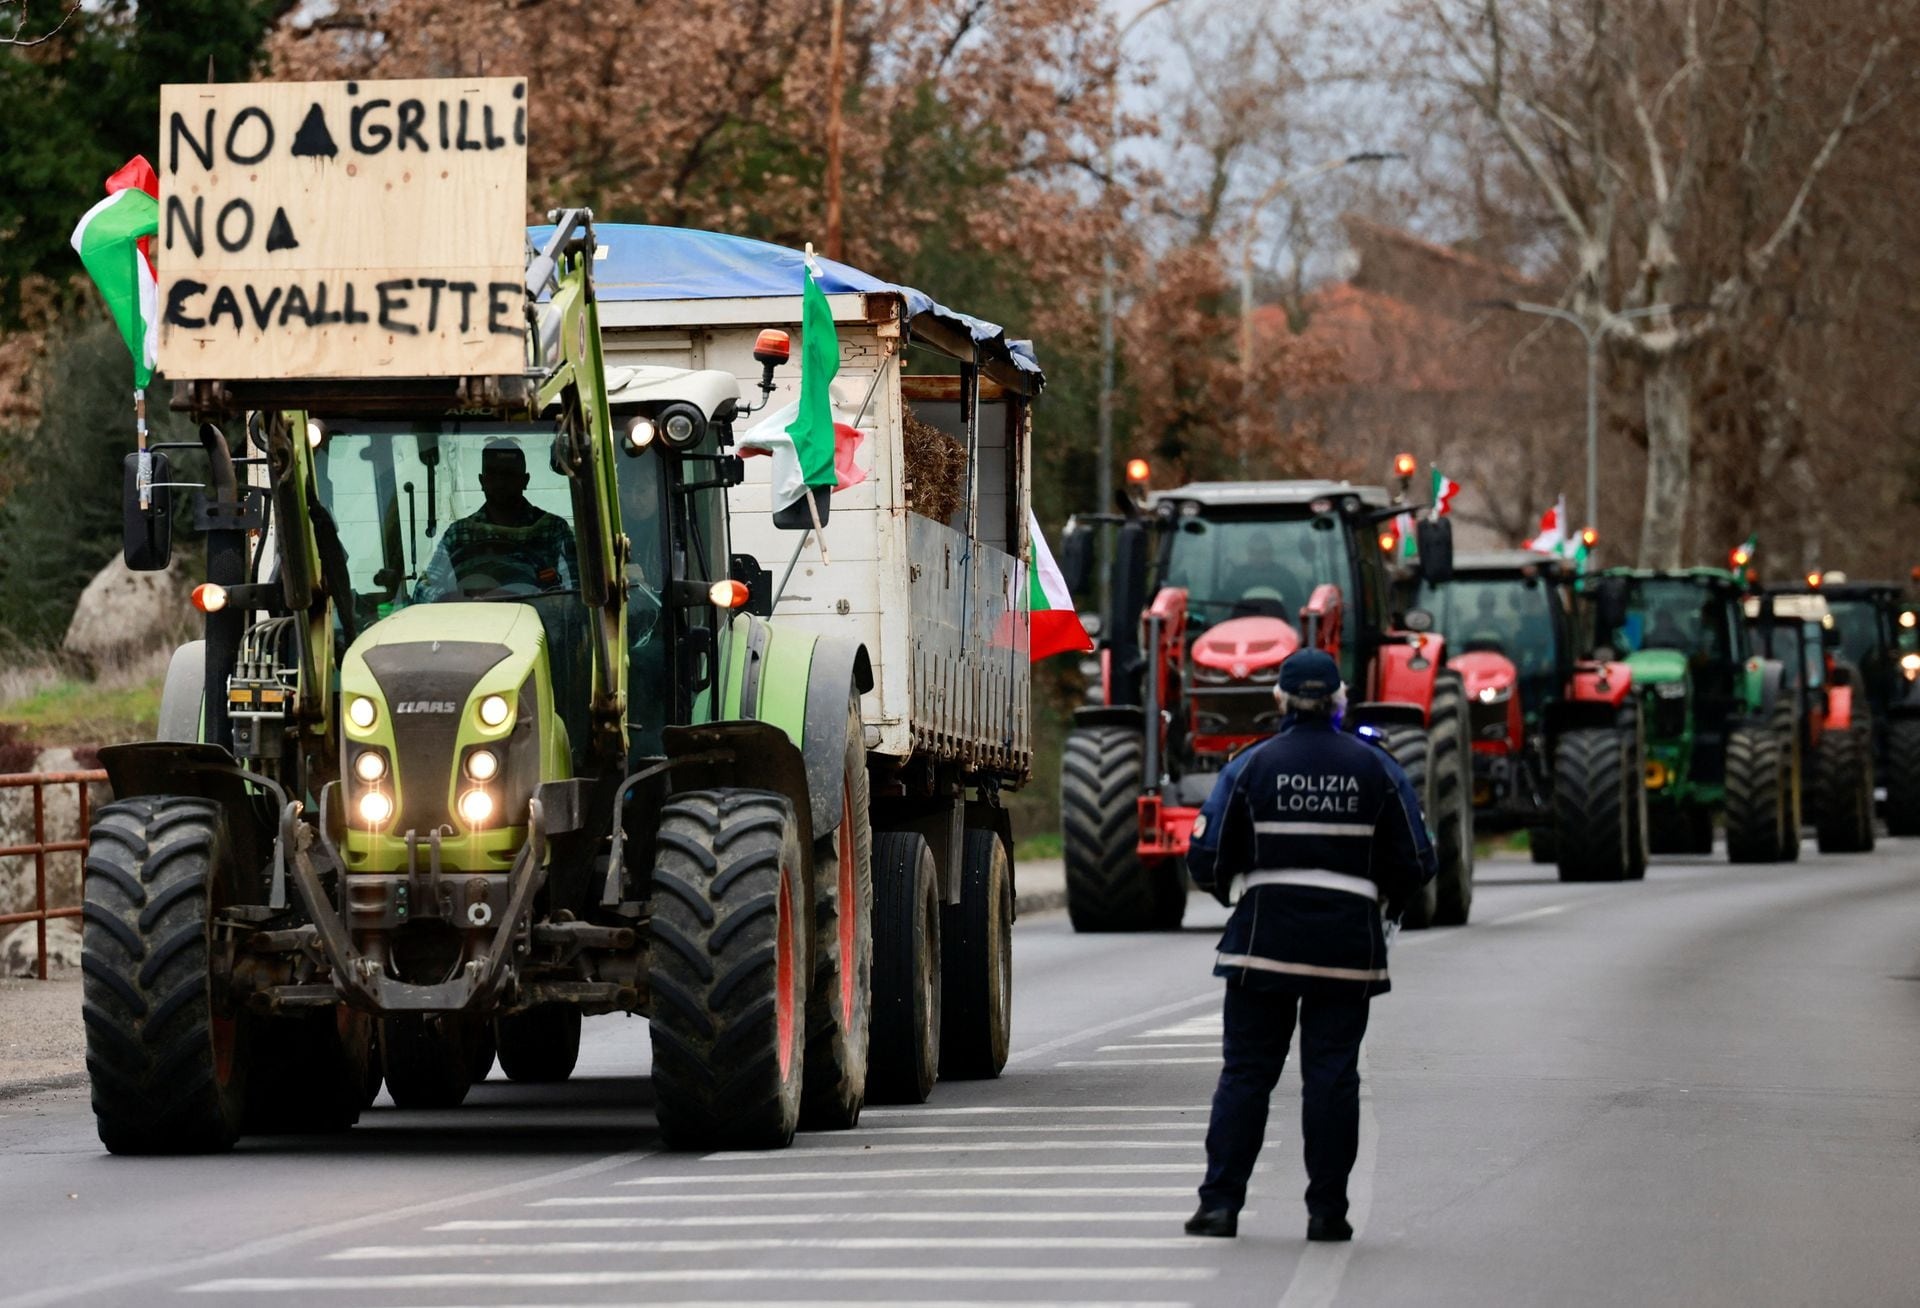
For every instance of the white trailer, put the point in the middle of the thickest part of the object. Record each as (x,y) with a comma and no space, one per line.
(940,606)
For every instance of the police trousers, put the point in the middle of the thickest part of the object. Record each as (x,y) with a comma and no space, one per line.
(1258,1026)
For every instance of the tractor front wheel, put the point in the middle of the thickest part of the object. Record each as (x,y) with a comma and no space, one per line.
(1410,747)
(1593,794)
(1903,777)
(1843,776)
(166,1060)
(728,970)
(428,1061)
(309,1071)
(1761,802)
(1109,886)
(1453,767)
(540,1045)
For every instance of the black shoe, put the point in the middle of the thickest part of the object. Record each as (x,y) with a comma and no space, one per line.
(1329,1228)
(1223,1222)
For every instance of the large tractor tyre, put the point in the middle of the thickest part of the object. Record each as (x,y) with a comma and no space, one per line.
(1593,801)
(1453,771)
(976,956)
(541,1045)
(308,1072)
(167,1063)
(840,1001)
(1903,777)
(1760,801)
(728,970)
(1409,747)
(903,1060)
(1543,846)
(427,1061)
(1794,821)
(1843,785)
(1109,886)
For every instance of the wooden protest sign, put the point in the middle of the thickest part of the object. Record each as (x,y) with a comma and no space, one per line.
(343,229)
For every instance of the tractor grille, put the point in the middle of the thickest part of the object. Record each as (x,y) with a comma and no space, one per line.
(1488,721)
(1666,715)
(430,674)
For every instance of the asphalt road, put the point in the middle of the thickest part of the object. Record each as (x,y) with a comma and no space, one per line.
(1704,1089)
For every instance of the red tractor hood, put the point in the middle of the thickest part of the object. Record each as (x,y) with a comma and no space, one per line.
(1484,670)
(1241,647)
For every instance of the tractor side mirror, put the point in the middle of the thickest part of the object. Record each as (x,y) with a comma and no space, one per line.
(1610,604)
(797,517)
(746,569)
(146,535)
(1435,536)
(1076,555)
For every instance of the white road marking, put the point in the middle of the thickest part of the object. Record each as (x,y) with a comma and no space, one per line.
(683,1275)
(1317,1276)
(1139,1062)
(934,1192)
(757,1244)
(1129,1048)
(885,1133)
(988,1218)
(842,1303)
(1530,914)
(993,1110)
(1108,1028)
(804,1152)
(907,1174)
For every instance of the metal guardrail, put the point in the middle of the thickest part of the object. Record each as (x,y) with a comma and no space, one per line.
(38,850)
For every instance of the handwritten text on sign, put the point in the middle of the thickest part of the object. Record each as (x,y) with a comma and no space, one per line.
(343,229)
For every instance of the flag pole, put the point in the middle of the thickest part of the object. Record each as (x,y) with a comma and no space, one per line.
(143,467)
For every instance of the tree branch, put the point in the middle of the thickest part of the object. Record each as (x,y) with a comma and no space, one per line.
(20,24)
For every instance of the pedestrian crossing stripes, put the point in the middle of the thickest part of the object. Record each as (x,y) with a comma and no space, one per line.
(607,1278)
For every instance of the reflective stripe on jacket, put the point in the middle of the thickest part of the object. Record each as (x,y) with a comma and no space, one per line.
(1309,834)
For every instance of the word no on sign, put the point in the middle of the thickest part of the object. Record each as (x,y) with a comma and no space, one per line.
(343,229)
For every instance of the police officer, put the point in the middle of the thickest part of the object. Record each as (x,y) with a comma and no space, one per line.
(1317,834)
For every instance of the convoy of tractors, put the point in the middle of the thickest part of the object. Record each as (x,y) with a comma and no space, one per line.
(420,802)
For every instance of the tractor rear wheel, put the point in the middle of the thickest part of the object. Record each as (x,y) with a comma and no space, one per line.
(1410,749)
(976,955)
(903,1059)
(309,1071)
(1593,799)
(167,1062)
(540,1045)
(1109,886)
(428,1061)
(728,970)
(1760,798)
(1453,768)
(1903,777)
(1542,845)
(840,1000)
(1843,778)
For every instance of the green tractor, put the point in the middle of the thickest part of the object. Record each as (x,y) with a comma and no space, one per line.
(1721,734)
(479,740)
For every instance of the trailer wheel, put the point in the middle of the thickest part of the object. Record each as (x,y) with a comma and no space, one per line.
(166,1061)
(840,1001)
(1760,800)
(1109,886)
(976,955)
(1843,775)
(428,1061)
(1592,797)
(728,970)
(903,1060)
(1453,771)
(1903,776)
(309,1071)
(541,1045)
(1410,749)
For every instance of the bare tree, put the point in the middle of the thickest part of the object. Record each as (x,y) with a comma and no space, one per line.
(16,13)
(1642,124)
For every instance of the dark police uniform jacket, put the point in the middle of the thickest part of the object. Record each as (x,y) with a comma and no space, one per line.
(1312,831)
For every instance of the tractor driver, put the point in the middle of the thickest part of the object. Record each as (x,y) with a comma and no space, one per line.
(1488,632)
(507,544)
(1258,572)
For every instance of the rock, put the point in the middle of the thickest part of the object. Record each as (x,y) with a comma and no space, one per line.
(123,614)
(17,952)
(62,823)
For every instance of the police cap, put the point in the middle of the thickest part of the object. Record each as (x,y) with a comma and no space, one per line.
(1310,674)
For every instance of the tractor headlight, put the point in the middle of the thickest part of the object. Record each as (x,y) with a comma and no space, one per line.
(495,711)
(1495,694)
(1910,664)
(476,808)
(483,765)
(375,808)
(362,712)
(370,765)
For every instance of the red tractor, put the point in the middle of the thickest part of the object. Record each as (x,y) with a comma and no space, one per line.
(1212,586)
(1557,740)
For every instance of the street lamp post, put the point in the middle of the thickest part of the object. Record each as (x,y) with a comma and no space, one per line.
(1272,193)
(1593,338)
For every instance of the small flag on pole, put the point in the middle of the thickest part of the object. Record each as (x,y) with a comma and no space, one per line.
(1055,626)
(1444,489)
(1553,529)
(112,240)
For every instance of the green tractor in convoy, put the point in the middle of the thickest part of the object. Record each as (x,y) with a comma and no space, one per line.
(479,740)
(1721,733)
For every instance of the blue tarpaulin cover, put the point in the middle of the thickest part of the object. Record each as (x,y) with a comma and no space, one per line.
(678,263)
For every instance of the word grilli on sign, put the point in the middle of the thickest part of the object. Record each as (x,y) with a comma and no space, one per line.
(343,229)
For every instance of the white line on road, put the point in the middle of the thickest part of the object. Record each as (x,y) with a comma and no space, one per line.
(758,1244)
(801,1153)
(843,1303)
(904,1192)
(987,1110)
(1530,914)
(906,1174)
(882,1134)
(1138,1062)
(998,1215)
(684,1275)
(1317,1276)
(1130,1048)
(1108,1028)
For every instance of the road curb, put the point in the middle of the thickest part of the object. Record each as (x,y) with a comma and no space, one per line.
(21,1089)
(1040,901)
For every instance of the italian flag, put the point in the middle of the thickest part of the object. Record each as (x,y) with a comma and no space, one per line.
(114,241)
(1443,490)
(1055,626)
(1407,543)
(1553,535)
